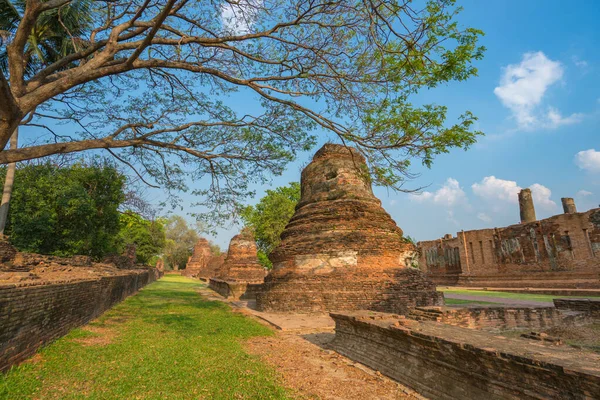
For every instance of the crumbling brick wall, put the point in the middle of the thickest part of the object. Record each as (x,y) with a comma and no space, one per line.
(501,318)
(560,251)
(34,315)
(448,362)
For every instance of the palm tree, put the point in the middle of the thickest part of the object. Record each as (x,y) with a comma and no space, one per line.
(56,33)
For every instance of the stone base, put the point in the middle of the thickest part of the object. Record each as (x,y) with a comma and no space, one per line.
(390,291)
(235,290)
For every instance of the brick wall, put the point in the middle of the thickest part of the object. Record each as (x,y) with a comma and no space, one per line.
(32,316)
(448,362)
(499,318)
(560,251)
(588,306)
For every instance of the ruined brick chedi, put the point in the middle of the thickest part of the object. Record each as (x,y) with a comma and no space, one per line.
(241,263)
(341,250)
(202,264)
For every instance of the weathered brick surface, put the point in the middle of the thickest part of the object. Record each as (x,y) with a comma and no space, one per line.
(198,262)
(341,250)
(500,318)
(235,290)
(588,306)
(448,362)
(213,267)
(32,316)
(562,251)
(391,291)
(241,263)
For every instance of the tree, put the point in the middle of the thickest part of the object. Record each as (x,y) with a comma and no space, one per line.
(147,236)
(50,39)
(66,210)
(269,217)
(180,241)
(150,82)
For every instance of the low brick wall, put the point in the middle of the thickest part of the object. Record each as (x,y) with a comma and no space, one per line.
(34,315)
(235,290)
(448,362)
(588,306)
(498,318)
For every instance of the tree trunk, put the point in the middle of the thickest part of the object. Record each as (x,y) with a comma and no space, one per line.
(8,184)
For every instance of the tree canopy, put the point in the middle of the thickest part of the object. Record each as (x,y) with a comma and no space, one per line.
(269,217)
(151,83)
(148,236)
(66,210)
(180,241)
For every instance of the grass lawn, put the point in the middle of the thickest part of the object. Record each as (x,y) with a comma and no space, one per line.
(165,342)
(459,301)
(507,295)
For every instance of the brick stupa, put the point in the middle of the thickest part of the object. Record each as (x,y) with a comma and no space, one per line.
(199,260)
(341,250)
(241,263)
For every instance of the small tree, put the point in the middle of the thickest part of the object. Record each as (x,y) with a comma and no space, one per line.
(269,217)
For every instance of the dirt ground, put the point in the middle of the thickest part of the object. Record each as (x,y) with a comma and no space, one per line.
(587,337)
(315,372)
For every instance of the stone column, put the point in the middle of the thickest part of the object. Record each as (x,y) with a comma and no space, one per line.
(569,205)
(526,206)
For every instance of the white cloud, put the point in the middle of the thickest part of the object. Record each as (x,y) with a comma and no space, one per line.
(579,62)
(522,89)
(498,192)
(239,16)
(588,160)
(583,193)
(491,188)
(554,119)
(450,194)
(541,196)
(484,217)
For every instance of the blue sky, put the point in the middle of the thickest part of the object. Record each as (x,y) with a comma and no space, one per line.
(537,97)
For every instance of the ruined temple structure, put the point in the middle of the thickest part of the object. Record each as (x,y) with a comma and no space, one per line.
(241,263)
(562,251)
(198,262)
(341,250)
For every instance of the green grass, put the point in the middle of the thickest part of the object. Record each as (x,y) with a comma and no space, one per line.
(165,342)
(507,295)
(459,301)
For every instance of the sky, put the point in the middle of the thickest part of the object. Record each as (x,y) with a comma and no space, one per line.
(537,97)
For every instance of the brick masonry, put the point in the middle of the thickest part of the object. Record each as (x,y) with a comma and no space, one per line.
(198,261)
(588,306)
(34,315)
(241,263)
(562,251)
(501,318)
(448,362)
(234,290)
(341,249)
